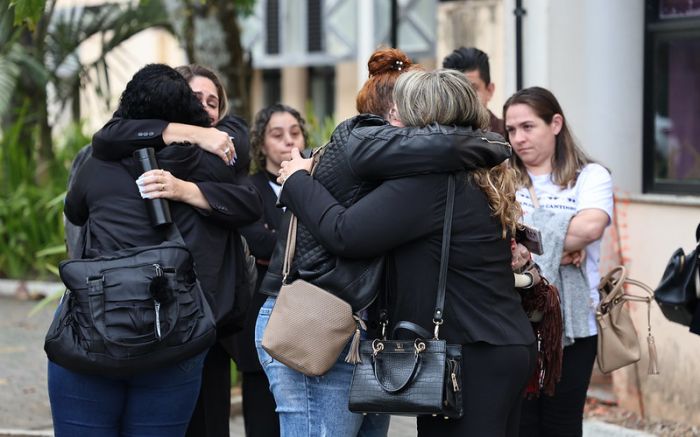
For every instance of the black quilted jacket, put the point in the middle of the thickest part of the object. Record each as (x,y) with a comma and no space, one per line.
(363,151)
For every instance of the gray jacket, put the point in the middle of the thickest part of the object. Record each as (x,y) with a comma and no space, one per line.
(569,279)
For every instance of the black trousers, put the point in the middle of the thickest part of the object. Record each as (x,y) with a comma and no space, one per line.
(561,415)
(259,406)
(493,383)
(213,410)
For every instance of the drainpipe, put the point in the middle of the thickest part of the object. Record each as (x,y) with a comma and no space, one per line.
(365,38)
(394,35)
(519,12)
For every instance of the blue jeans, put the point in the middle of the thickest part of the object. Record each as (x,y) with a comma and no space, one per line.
(314,406)
(158,403)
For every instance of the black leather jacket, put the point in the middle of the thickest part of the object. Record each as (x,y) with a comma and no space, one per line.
(363,151)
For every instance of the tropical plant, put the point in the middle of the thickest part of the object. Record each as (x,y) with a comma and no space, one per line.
(13,61)
(40,55)
(211,35)
(40,64)
(31,217)
(319,129)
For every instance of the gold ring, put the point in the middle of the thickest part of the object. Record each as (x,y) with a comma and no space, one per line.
(162,187)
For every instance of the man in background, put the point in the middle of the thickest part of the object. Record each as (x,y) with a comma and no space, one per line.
(475,65)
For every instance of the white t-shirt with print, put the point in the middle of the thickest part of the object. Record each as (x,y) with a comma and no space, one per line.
(593,189)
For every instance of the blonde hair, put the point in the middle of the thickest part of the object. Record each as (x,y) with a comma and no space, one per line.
(440,96)
(499,184)
(446,97)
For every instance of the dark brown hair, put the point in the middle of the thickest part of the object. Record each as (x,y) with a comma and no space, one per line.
(257,133)
(385,65)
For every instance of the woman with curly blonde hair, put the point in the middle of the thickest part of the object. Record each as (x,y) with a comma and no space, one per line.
(403,219)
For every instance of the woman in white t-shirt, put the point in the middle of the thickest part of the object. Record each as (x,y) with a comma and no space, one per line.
(568,184)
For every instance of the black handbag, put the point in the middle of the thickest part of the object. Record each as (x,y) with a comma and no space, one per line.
(417,377)
(677,293)
(131,311)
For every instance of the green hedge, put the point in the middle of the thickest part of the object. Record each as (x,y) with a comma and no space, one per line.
(31,213)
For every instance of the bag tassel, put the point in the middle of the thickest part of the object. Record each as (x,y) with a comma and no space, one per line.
(353,356)
(653,360)
(544,297)
(651,343)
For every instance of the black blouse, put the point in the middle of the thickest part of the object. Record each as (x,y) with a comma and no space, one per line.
(404,218)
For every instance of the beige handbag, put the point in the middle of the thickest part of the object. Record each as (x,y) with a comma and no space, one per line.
(618,344)
(308,327)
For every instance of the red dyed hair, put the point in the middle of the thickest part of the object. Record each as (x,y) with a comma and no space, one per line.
(385,65)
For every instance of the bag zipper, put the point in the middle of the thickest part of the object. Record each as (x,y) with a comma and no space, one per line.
(453,375)
(504,143)
(145,249)
(156,303)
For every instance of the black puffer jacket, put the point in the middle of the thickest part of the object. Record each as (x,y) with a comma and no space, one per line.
(363,151)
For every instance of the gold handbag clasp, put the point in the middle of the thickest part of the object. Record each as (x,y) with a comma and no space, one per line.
(419,345)
(377,346)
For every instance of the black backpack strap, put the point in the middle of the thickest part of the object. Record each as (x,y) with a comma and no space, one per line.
(172,233)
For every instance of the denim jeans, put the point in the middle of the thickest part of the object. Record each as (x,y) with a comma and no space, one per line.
(158,403)
(314,406)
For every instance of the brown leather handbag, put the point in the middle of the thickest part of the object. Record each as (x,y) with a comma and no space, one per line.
(308,327)
(618,344)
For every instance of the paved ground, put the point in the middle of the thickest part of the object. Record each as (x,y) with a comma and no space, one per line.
(24,405)
(24,402)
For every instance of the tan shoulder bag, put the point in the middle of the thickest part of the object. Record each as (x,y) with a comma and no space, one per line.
(308,327)
(618,344)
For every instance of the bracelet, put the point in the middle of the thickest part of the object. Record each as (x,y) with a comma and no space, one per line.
(532,279)
(523,281)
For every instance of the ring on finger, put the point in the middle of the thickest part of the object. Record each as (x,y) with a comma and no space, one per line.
(162,187)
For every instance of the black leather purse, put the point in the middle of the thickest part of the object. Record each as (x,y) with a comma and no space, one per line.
(416,377)
(677,293)
(134,310)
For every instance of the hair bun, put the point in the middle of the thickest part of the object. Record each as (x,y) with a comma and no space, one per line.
(385,61)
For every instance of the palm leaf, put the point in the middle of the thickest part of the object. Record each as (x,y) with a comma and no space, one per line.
(29,11)
(9,72)
(113,24)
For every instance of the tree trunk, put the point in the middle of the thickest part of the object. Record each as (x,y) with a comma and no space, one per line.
(35,133)
(238,68)
(211,36)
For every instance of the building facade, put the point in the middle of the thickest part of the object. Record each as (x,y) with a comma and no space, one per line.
(627,73)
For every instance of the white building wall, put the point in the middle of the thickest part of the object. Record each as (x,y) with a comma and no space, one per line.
(481,24)
(590,55)
(613,37)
